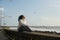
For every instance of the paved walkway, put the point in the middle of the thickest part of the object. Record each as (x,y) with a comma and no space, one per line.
(3,36)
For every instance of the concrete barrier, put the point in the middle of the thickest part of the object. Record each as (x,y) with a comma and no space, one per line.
(15,35)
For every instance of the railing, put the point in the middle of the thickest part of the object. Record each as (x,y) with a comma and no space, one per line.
(15,35)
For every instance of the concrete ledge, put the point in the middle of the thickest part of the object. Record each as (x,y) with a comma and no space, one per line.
(32,35)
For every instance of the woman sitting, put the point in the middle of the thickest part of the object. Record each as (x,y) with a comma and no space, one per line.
(23,24)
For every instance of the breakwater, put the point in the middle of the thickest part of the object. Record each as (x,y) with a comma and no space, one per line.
(31,35)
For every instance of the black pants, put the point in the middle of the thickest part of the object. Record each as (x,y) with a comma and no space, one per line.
(24,28)
(21,29)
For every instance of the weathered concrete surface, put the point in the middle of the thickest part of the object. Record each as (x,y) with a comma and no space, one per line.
(32,35)
(3,36)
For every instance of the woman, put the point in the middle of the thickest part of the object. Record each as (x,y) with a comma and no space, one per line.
(23,24)
(22,27)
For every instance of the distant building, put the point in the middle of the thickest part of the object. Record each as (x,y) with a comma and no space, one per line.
(1,14)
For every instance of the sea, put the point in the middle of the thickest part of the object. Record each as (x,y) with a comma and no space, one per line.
(41,28)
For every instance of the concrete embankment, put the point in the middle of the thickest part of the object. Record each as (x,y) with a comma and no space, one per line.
(32,35)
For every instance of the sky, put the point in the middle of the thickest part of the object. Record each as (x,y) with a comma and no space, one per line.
(37,12)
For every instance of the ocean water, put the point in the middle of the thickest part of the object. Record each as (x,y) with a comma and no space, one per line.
(42,28)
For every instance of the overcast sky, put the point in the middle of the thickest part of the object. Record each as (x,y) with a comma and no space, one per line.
(37,12)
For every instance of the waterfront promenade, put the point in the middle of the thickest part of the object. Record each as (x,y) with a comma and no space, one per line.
(8,34)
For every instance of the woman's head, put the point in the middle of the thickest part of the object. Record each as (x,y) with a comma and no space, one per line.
(21,17)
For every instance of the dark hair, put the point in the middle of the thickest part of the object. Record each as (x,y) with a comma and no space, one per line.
(20,17)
